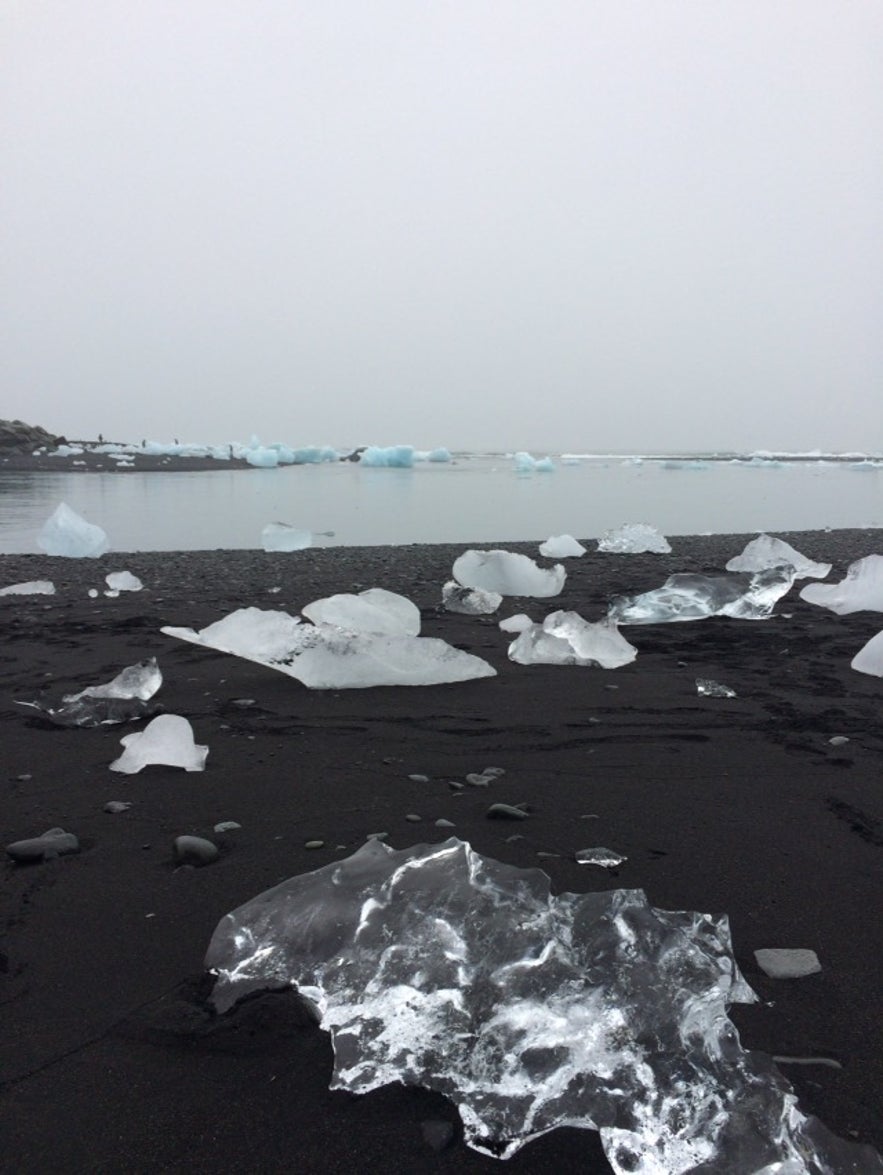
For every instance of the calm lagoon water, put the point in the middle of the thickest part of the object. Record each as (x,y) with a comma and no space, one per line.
(475,499)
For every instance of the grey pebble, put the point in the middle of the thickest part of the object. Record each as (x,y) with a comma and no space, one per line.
(377,836)
(506,812)
(194,850)
(116,806)
(478,780)
(494,772)
(455,784)
(419,778)
(51,844)
(785,963)
(413,817)
(243,702)
(838,740)
(227,826)
(444,823)
(314,844)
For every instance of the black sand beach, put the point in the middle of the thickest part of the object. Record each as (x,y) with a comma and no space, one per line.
(108,1057)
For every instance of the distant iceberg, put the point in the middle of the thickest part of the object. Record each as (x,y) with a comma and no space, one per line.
(525,463)
(393,457)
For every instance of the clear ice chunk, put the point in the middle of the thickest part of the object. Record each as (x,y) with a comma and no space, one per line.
(508,573)
(562,546)
(634,538)
(141,680)
(606,858)
(390,457)
(435,966)
(706,688)
(375,610)
(281,536)
(66,533)
(122,700)
(35,587)
(688,596)
(123,581)
(469,601)
(565,638)
(517,623)
(325,656)
(860,591)
(869,658)
(766,551)
(167,741)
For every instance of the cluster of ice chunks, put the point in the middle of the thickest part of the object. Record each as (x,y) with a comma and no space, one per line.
(34,587)
(634,538)
(565,638)
(435,966)
(688,596)
(167,741)
(525,463)
(469,601)
(124,699)
(282,536)
(66,533)
(508,574)
(860,591)
(562,546)
(766,551)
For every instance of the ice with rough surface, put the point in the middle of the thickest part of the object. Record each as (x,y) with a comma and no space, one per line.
(469,601)
(140,680)
(565,638)
(123,581)
(634,538)
(391,457)
(508,573)
(34,587)
(860,591)
(562,546)
(281,536)
(66,533)
(122,700)
(696,597)
(166,741)
(869,658)
(517,623)
(325,656)
(435,966)
(706,688)
(766,551)
(374,610)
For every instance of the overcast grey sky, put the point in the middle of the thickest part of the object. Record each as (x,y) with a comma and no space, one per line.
(558,225)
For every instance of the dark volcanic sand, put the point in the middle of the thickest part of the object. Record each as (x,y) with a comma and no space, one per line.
(110,1062)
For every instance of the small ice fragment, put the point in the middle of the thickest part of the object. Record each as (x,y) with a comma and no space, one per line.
(517,623)
(860,591)
(766,551)
(112,594)
(114,807)
(66,533)
(53,843)
(281,536)
(123,581)
(36,587)
(838,740)
(508,573)
(469,601)
(634,538)
(140,680)
(565,638)
(167,741)
(194,850)
(374,611)
(606,858)
(787,963)
(92,593)
(562,546)
(869,658)
(706,688)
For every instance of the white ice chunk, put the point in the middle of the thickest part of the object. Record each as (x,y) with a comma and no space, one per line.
(517,623)
(66,533)
(634,538)
(696,597)
(35,587)
(434,966)
(562,546)
(525,463)
(869,658)
(706,688)
(167,741)
(393,456)
(141,681)
(324,656)
(374,610)
(508,573)
(469,601)
(565,638)
(860,591)
(766,551)
(123,581)
(282,536)
(261,457)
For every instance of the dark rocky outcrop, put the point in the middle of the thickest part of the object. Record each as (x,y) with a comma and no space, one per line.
(18,437)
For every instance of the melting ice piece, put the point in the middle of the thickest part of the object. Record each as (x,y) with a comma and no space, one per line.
(508,573)
(141,680)
(869,658)
(469,601)
(281,536)
(706,688)
(36,587)
(123,581)
(517,623)
(562,546)
(373,611)
(696,597)
(324,656)
(861,590)
(606,858)
(122,700)
(438,967)
(766,551)
(66,533)
(634,538)
(167,741)
(564,638)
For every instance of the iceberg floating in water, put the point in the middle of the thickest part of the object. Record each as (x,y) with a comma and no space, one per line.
(766,551)
(508,574)
(262,458)
(860,591)
(435,966)
(562,546)
(325,656)
(281,536)
(393,457)
(525,463)
(869,659)
(469,601)
(66,533)
(565,638)
(35,587)
(696,597)
(634,538)
(374,610)
(166,741)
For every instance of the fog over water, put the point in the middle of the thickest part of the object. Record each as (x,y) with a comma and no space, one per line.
(637,227)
